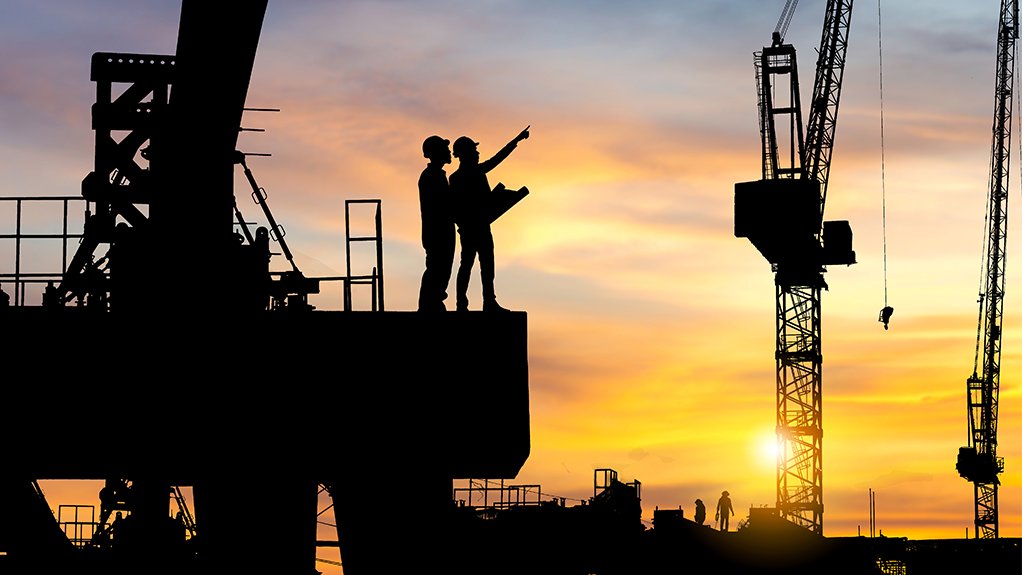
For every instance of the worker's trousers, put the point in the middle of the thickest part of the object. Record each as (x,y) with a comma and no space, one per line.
(478,241)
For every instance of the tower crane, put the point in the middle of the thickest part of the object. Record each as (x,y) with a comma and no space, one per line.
(782,215)
(978,461)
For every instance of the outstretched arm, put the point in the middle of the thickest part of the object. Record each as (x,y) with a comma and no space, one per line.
(504,152)
(523,135)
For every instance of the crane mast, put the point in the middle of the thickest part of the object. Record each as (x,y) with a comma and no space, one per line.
(978,462)
(782,215)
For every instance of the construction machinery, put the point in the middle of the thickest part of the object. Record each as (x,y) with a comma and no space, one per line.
(782,215)
(166,369)
(978,461)
(176,359)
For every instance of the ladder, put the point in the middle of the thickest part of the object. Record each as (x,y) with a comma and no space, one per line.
(182,505)
(374,279)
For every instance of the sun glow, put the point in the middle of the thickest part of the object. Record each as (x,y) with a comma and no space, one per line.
(767,449)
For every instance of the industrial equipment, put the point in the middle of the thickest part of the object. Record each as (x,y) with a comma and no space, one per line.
(782,215)
(978,461)
(171,362)
(176,373)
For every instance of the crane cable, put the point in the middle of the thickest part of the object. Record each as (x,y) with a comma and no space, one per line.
(887,311)
(785,19)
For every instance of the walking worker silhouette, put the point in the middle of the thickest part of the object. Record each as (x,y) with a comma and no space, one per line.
(470,190)
(438,239)
(724,510)
(700,516)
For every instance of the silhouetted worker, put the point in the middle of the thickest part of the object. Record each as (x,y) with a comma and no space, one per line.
(724,510)
(437,209)
(885,315)
(114,495)
(50,297)
(471,190)
(700,512)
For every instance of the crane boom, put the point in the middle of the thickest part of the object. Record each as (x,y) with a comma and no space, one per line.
(830,67)
(978,462)
(782,215)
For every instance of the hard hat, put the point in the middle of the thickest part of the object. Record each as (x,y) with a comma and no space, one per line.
(464,144)
(434,144)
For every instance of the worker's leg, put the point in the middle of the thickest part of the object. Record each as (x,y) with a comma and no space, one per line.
(444,265)
(432,290)
(469,245)
(486,274)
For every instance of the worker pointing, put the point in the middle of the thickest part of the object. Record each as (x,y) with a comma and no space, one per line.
(470,190)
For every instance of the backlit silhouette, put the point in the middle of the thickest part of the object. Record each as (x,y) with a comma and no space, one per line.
(228,420)
(885,315)
(724,510)
(437,212)
(700,515)
(471,190)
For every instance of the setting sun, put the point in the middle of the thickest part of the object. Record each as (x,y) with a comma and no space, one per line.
(767,449)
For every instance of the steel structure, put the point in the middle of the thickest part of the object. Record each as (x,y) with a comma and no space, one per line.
(782,214)
(978,462)
(166,287)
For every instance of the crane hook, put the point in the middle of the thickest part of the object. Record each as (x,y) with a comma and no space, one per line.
(885,315)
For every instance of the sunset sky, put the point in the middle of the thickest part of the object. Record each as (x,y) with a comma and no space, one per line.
(651,326)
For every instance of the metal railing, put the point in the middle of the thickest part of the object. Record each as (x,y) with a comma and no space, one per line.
(491,493)
(22,236)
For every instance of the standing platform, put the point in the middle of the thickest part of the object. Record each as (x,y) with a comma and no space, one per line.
(256,410)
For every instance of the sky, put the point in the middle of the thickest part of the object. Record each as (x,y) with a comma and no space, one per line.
(651,326)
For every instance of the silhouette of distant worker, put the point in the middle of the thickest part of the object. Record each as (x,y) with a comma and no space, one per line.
(724,510)
(50,297)
(470,190)
(700,512)
(438,239)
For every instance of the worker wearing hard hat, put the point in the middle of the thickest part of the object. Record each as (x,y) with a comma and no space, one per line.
(724,510)
(437,211)
(470,190)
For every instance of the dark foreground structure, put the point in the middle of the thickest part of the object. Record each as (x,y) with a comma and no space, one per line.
(158,360)
(358,402)
(181,360)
